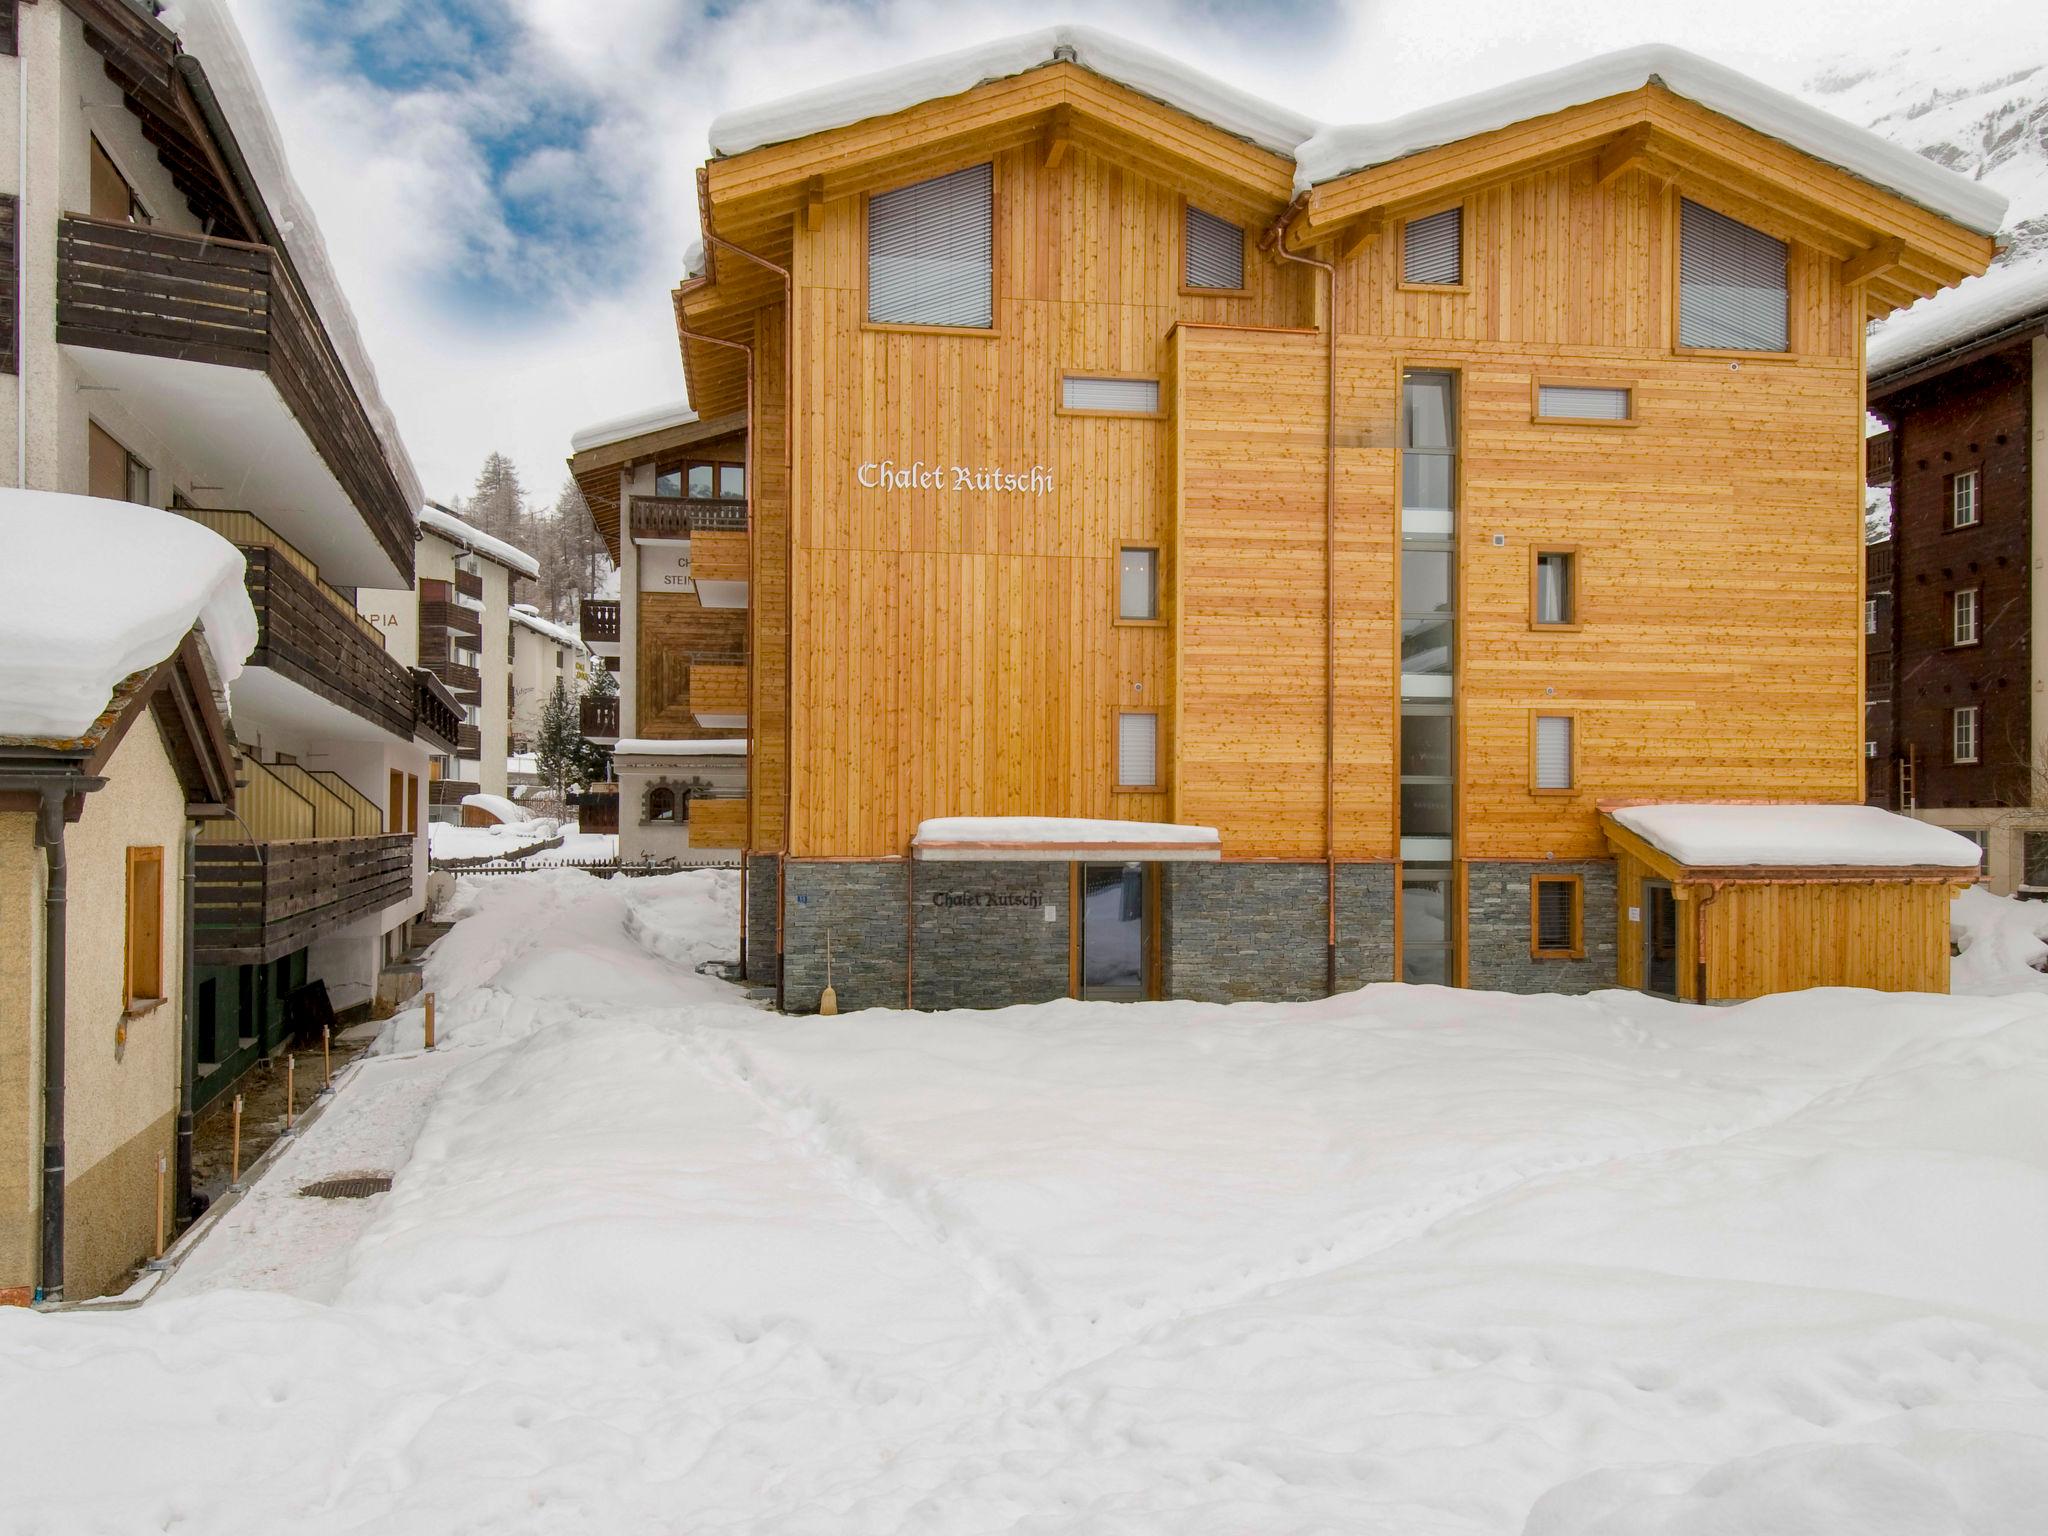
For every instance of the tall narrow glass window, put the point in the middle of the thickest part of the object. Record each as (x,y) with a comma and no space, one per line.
(1428,638)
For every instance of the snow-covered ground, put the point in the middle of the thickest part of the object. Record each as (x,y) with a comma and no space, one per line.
(446,840)
(1408,1261)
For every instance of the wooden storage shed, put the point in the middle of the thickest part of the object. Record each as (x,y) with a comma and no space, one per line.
(1718,903)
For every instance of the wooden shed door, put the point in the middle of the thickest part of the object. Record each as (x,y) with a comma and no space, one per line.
(1660,939)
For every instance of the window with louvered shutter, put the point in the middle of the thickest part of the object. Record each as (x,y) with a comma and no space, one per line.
(10,223)
(1553,751)
(1433,249)
(1582,402)
(1215,251)
(1124,397)
(1732,293)
(1137,751)
(931,252)
(1554,924)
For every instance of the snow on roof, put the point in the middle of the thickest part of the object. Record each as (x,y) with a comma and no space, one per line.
(499,807)
(1976,307)
(1795,836)
(618,429)
(640,746)
(561,634)
(207,32)
(1053,836)
(1130,64)
(1338,151)
(92,591)
(453,528)
(1324,152)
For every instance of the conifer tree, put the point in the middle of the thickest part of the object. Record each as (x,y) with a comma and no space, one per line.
(559,748)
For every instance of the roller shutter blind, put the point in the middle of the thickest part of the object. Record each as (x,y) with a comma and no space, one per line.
(1215,251)
(1553,752)
(931,252)
(1731,284)
(1134,396)
(1137,750)
(1582,402)
(1433,249)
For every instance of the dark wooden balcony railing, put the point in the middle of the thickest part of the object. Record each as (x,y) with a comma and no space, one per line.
(470,584)
(255,902)
(439,618)
(1877,459)
(600,718)
(133,288)
(439,717)
(677,517)
(461,681)
(301,635)
(451,791)
(599,621)
(469,742)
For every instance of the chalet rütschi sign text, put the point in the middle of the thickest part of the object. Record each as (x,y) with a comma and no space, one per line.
(920,476)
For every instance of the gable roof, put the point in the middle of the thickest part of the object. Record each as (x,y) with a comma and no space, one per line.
(2006,303)
(438,520)
(1322,153)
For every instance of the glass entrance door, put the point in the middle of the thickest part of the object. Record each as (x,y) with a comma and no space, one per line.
(1660,940)
(1116,932)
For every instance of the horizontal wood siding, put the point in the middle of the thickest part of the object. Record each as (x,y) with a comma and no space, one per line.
(303,636)
(254,903)
(718,823)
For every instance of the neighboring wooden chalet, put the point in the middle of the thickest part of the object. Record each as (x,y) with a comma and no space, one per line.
(1959,618)
(1125,449)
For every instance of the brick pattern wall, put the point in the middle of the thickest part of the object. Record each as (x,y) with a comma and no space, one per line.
(761,920)
(1365,925)
(1497,929)
(1972,417)
(1234,932)
(983,936)
(862,905)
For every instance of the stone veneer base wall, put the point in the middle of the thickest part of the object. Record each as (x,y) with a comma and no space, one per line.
(1497,929)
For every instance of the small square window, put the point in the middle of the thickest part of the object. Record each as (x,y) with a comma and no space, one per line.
(1963,608)
(1553,769)
(1870,616)
(1963,734)
(1137,584)
(1963,508)
(1137,750)
(1433,249)
(1556,928)
(1555,601)
(732,481)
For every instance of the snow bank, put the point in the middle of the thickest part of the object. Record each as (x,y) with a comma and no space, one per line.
(642,746)
(1852,836)
(207,31)
(892,90)
(448,841)
(1976,307)
(618,429)
(499,807)
(94,590)
(1322,153)
(1338,151)
(2002,943)
(451,527)
(561,634)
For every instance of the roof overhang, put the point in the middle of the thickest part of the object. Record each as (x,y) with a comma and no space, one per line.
(596,469)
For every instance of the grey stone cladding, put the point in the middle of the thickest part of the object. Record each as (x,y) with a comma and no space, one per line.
(1497,929)
(991,934)
(761,920)
(1243,932)
(862,906)
(1365,925)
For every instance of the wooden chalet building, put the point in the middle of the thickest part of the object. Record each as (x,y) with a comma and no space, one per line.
(1958,606)
(1386,500)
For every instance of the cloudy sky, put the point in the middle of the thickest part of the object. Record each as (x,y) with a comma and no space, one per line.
(507,186)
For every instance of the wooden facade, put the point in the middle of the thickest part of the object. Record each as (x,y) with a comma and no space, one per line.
(935,646)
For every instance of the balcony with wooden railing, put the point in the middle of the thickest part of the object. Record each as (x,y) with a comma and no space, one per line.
(684,517)
(305,853)
(151,293)
(600,719)
(470,584)
(451,791)
(718,691)
(598,621)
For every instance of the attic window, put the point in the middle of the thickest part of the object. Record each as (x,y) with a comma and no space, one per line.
(1732,287)
(1433,249)
(931,252)
(1215,251)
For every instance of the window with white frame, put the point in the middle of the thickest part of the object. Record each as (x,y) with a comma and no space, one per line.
(1963,617)
(1963,507)
(1870,616)
(1870,749)
(1733,288)
(1137,750)
(1553,752)
(1433,249)
(931,252)
(1215,252)
(1963,734)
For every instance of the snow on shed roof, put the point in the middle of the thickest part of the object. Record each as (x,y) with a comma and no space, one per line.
(73,625)
(1795,837)
(561,634)
(1042,837)
(453,528)
(1323,152)
(208,33)
(640,746)
(2008,294)
(618,429)
(906,85)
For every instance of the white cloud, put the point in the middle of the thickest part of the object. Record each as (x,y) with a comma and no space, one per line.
(414,212)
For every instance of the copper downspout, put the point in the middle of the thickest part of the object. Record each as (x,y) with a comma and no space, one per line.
(1700,941)
(788,579)
(1275,241)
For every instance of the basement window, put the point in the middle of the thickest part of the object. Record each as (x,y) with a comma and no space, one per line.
(931,252)
(1433,250)
(1215,252)
(1557,917)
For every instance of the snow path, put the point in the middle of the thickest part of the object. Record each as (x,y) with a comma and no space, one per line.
(1409,1261)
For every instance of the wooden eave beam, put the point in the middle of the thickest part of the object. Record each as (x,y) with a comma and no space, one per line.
(1877,261)
(1361,232)
(814,204)
(1059,135)
(1631,151)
